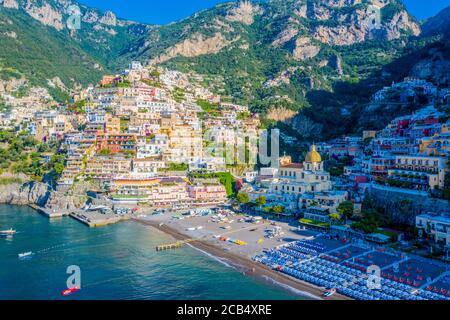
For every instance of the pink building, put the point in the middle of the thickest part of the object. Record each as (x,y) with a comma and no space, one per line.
(214,193)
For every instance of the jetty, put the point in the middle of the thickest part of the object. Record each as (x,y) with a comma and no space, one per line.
(96,221)
(49,213)
(172,246)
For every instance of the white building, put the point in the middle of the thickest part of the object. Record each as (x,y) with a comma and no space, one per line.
(302,185)
(436,227)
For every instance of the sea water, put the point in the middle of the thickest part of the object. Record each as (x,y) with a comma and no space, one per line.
(115,262)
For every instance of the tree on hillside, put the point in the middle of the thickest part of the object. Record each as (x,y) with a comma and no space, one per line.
(243,198)
(260,201)
(346,209)
(278,210)
(335,217)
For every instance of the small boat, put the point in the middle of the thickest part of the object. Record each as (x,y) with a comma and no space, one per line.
(70,291)
(329,293)
(9,232)
(25,254)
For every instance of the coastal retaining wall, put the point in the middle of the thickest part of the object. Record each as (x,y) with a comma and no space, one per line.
(402,206)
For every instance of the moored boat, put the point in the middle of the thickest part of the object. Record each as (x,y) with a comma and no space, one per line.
(25,254)
(329,292)
(69,291)
(9,232)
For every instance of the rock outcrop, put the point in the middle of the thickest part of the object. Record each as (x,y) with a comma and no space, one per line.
(59,200)
(281,114)
(10,34)
(305,127)
(400,23)
(11,4)
(244,13)
(196,46)
(24,194)
(45,14)
(360,25)
(285,36)
(335,62)
(304,49)
(434,67)
(109,18)
(90,16)
(74,198)
(16,191)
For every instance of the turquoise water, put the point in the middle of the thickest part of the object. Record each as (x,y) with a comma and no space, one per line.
(116,262)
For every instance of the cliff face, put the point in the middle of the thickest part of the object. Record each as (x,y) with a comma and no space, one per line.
(62,201)
(435,66)
(195,46)
(13,190)
(71,199)
(329,22)
(24,194)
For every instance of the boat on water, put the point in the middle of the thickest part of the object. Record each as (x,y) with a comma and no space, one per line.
(25,255)
(9,232)
(329,292)
(69,291)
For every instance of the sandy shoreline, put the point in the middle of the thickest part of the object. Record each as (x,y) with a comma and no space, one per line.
(245,265)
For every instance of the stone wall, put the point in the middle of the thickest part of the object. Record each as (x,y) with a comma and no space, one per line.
(403,206)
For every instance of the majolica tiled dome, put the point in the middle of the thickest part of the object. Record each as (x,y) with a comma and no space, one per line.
(313,156)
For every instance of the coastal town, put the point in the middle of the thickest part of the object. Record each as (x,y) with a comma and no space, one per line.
(153,145)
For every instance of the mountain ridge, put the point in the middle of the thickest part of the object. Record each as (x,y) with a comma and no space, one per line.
(316,58)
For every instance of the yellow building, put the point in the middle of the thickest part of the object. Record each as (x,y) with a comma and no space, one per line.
(107,167)
(157,191)
(112,124)
(419,172)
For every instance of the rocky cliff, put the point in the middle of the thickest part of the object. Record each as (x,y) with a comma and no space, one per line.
(15,190)
(24,194)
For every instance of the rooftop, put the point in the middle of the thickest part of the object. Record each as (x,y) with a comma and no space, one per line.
(293,166)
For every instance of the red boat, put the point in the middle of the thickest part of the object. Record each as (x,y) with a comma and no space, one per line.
(70,291)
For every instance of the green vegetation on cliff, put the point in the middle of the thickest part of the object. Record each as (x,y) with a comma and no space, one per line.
(21,153)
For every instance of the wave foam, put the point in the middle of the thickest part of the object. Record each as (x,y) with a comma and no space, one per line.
(222,261)
(296,291)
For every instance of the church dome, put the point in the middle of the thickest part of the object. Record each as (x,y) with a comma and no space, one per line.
(313,156)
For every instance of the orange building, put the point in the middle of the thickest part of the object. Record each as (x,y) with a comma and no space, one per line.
(116,142)
(107,80)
